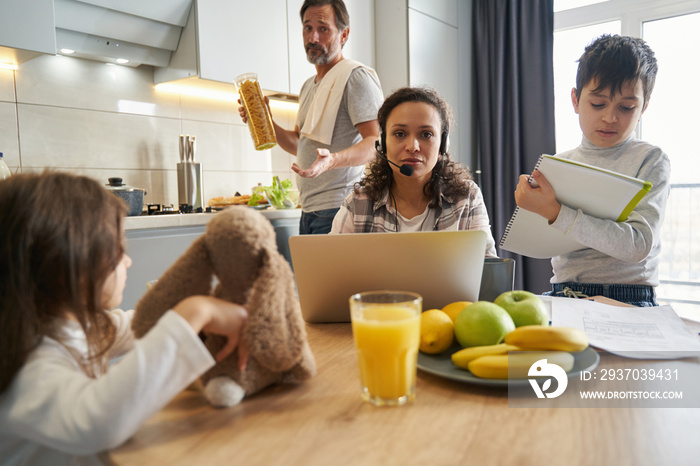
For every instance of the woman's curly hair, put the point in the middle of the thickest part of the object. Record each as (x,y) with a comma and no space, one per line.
(449,178)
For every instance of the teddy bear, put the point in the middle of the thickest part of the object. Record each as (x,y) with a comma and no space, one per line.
(236,259)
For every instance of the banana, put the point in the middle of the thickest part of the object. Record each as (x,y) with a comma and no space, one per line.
(541,337)
(464,356)
(496,366)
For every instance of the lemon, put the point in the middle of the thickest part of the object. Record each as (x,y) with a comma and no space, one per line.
(453,309)
(436,331)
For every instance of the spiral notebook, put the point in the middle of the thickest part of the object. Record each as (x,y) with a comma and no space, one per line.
(598,192)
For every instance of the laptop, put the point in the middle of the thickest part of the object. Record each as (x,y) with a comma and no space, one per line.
(441,266)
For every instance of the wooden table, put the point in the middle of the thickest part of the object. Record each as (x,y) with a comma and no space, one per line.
(324,422)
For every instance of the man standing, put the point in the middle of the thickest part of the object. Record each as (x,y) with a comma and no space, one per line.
(336,126)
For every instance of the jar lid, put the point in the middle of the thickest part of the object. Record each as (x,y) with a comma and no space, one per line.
(241,78)
(244,76)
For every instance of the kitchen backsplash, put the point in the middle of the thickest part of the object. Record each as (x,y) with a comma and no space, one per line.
(104,121)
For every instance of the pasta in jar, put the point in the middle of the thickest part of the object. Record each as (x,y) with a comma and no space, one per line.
(259,118)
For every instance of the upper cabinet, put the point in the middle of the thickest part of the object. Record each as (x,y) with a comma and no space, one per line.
(441,10)
(211,40)
(223,39)
(360,44)
(299,67)
(26,29)
(243,37)
(419,44)
(433,48)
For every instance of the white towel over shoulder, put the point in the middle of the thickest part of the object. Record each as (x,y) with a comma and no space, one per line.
(323,111)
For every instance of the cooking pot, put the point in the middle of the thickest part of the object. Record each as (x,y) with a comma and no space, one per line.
(132,196)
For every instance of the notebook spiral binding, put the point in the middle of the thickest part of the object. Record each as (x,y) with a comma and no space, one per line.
(515,212)
(507,230)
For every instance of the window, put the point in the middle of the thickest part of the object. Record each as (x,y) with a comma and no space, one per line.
(672,29)
(562,5)
(568,47)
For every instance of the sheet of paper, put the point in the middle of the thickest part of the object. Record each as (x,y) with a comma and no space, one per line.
(640,332)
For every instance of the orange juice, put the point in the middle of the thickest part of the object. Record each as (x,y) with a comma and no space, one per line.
(387,339)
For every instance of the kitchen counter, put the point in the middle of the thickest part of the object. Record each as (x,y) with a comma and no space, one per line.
(184,220)
(155,242)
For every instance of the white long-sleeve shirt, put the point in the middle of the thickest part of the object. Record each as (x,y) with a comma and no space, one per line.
(54,414)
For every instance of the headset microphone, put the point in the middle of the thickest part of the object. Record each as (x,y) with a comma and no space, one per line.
(405,170)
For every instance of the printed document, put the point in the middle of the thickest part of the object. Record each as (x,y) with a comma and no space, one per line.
(638,332)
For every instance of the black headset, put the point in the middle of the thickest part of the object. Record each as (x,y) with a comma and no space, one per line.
(444,143)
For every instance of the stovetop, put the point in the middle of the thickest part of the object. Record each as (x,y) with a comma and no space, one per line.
(169,209)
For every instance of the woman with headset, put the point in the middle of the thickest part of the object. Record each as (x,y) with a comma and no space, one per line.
(413,185)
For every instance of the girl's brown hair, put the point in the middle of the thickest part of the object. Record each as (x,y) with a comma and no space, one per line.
(60,239)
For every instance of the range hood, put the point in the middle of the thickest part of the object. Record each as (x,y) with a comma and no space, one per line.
(187,42)
(144,32)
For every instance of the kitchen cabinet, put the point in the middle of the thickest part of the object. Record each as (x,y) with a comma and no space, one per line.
(27,25)
(223,39)
(243,37)
(299,67)
(433,58)
(360,45)
(419,43)
(152,252)
(441,10)
(155,242)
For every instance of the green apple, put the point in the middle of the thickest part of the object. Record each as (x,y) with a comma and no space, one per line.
(482,323)
(524,307)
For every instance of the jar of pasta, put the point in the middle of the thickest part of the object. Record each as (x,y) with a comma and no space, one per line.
(259,118)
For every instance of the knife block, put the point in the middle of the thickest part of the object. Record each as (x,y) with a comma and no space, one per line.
(190,187)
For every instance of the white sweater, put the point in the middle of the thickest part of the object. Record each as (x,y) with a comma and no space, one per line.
(54,414)
(617,253)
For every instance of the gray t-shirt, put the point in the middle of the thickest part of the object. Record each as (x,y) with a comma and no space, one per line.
(360,103)
(617,252)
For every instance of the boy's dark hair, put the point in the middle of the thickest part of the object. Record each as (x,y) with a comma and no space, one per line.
(615,61)
(342,18)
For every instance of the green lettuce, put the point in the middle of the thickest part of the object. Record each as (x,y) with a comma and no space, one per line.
(278,194)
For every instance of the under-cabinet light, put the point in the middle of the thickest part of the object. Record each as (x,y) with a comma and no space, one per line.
(221,95)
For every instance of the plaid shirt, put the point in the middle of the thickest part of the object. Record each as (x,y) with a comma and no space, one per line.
(358,214)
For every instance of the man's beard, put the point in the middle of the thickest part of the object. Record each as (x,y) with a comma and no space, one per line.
(323,58)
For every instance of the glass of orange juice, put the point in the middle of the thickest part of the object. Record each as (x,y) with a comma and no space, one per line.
(386,331)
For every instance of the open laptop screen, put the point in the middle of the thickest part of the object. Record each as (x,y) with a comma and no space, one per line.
(441,266)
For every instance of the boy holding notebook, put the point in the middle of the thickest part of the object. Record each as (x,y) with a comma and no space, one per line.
(619,260)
